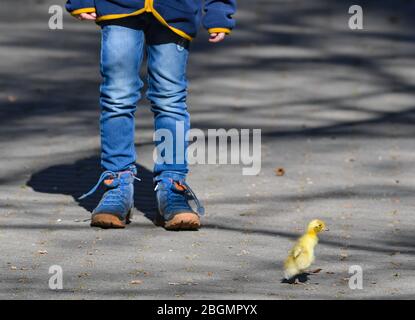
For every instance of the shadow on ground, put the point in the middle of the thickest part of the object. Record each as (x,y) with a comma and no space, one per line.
(301,278)
(77,178)
(43,96)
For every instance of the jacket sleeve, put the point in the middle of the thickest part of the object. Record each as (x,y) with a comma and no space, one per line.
(80,6)
(218,15)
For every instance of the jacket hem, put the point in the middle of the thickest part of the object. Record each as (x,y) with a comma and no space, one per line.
(119,16)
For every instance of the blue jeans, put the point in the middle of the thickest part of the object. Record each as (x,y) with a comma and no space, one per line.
(121,58)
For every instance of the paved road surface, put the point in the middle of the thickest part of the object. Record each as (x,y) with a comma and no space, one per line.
(336,109)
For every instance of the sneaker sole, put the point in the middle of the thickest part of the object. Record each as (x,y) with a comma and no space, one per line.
(183,221)
(109,221)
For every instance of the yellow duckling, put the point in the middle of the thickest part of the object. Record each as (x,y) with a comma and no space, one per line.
(301,255)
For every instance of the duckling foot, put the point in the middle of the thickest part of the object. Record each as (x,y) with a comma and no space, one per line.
(301,278)
(315,271)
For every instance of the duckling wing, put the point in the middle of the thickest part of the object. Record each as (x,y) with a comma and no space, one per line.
(304,259)
(297,250)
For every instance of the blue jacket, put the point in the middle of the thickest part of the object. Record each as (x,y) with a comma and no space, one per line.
(181,16)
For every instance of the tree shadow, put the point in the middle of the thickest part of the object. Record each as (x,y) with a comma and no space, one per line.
(77,178)
(266,28)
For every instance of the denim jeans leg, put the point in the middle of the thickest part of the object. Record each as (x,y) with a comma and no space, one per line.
(121,58)
(167,92)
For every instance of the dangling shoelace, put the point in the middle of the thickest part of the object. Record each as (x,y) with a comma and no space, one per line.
(200,208)
(103,176)
(188,191)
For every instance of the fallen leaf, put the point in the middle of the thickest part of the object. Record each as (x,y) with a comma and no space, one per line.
(42,252)
(343,256)
(279,172)
(83,274)
(13,268)
(136,282)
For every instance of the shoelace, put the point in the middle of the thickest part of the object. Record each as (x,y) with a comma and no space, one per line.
(200,209)
(103,176)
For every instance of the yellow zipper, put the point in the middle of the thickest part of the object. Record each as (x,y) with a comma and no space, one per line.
(148,5)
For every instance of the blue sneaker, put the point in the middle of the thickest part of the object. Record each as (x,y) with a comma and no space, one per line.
(114,209)
(173,195)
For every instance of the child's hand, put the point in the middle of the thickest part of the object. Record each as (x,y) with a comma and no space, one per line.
(87,16)
(217,37)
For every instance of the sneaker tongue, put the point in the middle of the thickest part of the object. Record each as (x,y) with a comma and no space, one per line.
(125,177)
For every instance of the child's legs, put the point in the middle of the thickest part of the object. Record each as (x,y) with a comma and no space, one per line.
(167,92)
(121,57)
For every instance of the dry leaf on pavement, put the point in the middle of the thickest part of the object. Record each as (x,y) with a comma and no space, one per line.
(279,172)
